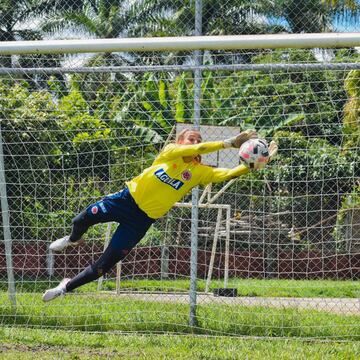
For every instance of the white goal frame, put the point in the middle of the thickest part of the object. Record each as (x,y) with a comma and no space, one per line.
(181,43)
(240,42)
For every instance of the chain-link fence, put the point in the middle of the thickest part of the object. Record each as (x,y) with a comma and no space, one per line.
(42,19)
(75,128)
(70,137)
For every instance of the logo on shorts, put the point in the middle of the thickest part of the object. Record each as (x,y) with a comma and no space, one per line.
(102,207)
(186,175)
(94,210)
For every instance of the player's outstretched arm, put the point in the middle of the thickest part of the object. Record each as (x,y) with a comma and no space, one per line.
(238,140)
(173,151)
(222,174)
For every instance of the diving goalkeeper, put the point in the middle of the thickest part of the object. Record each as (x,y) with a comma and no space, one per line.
(147,197)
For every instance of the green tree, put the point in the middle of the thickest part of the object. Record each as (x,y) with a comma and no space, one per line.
(13,15)
(307,179)
(57,158)
(156,102)
(17,18)
(351,143)
(102,19)
(352,110)
(31,150)
(312,16)
(271,102)
(233,17)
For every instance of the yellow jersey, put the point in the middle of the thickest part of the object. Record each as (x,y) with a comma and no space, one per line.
(169,178)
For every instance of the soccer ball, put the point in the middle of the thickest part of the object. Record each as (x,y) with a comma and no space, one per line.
(254,153)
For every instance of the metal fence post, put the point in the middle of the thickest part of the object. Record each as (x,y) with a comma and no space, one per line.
(6,227)
(195,191)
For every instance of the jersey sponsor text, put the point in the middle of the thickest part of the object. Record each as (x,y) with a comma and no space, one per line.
(166,179)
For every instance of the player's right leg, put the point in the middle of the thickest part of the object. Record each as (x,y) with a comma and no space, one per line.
(94,214)
(80,224)
(56,291)
(62,243)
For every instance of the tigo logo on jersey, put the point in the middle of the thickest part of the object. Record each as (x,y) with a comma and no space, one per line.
(186,175)
(166,179)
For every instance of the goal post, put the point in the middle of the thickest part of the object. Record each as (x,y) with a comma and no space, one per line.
(75,128)
(225,42)
(6,228)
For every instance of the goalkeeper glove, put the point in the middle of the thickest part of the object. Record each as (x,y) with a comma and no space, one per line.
(238,140)
(273,149)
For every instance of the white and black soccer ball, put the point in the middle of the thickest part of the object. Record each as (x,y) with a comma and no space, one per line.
(254,153)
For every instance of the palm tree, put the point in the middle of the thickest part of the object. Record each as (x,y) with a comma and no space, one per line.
(232,17)
(177,18)
(13,13)
(102,19)
(314,15)
(17,19)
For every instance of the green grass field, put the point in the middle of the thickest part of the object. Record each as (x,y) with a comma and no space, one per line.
(101,312)
(21,343)
(255,287)
(89,324)
(245,287)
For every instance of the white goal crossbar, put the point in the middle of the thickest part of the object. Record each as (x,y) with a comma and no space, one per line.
(188,43)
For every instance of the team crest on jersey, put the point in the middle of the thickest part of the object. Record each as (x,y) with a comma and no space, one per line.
(166,179)
(94,210)
(186,175)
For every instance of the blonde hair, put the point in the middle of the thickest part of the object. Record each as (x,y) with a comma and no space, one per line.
(182,133)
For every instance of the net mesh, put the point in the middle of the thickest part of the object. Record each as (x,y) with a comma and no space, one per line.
(73,132)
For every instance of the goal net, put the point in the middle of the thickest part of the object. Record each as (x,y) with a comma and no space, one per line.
(284,241)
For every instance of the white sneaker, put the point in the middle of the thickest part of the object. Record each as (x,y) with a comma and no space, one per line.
(56,291)
(61,244)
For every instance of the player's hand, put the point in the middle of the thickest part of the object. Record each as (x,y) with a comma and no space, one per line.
(273,149)
(238,140)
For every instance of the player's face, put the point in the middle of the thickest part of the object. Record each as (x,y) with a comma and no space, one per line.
(191,138)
